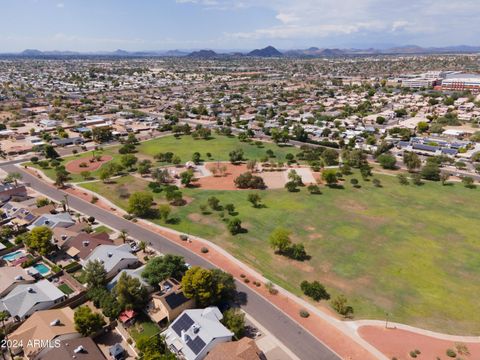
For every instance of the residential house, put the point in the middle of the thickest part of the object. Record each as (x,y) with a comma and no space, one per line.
(83,348)
(25,299)
(169,302)
(48,326)
(196,332)
(82,244)
(114,258)
(11,276)
(243,349)
(63,220)
(10,191)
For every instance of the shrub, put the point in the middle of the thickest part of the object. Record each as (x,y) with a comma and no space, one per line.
(204,250)
(315,290)
(413,354)
(304,313)
(183,237)
(242,276)
(451,353)
(94,199)
(271,288)
(246,280)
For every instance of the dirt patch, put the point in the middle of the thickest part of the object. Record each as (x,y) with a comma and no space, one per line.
(274,179)
(84,164)
(398,343)
(224,180)
(352,205)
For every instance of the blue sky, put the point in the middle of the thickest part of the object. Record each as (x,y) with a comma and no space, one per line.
(92,25)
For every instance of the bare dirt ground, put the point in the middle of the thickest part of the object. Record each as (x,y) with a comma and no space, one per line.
(398,343)
(221,181)
(75,168)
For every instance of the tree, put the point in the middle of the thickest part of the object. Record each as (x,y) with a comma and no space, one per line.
(230,208)
(144,167)
(254,199)
(186,177)
(164,210)
(293,176)
(50,152)
(39,240)
(468,182)
(154,348)
(444,178)
(214,203)
(95,274)
(422,126)
(86,321)
(431,171)
(291,186)
(313,189)
(140,204)
(249,181)
(280,240)
(315,290)
(251,165)
(330,157)
(376,182)
(339,304)
(330,177)
(387,161)
(234,320)
(128,160)
(161,268)
(123,234)
(13,177)
(161,176)
(417,179)
(236,156)
(130,293)
(411,160)
(402,179)
(61,177)
(196,158)
(208,287)
(234,226)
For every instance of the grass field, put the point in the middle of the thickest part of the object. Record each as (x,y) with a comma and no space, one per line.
(218,146)
(410,251)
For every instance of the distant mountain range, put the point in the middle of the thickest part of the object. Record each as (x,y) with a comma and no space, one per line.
(267,52)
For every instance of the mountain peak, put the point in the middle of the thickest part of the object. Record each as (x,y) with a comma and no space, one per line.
(268,51)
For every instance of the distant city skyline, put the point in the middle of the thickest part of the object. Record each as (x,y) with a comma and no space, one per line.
(107,25)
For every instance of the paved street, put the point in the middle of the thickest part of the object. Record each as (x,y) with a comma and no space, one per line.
(300,342)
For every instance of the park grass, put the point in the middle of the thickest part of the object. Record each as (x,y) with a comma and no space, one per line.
(218,146)
(409,251)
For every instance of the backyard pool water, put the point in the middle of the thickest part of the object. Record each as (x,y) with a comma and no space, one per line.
(13,256)
(41,268)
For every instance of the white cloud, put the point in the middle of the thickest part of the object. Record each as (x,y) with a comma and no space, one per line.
(60,5)
(445,20)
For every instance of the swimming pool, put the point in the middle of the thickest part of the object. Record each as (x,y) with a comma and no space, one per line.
(13,256)
(41,268)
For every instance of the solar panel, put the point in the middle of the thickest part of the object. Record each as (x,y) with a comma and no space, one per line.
(183,323)
(196,345)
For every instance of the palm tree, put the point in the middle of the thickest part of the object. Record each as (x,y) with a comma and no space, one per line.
(123,235)
(142,245)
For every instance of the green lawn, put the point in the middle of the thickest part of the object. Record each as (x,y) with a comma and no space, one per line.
(218,146)
(65,289)
(144,327)
(102,229)
(411,251)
